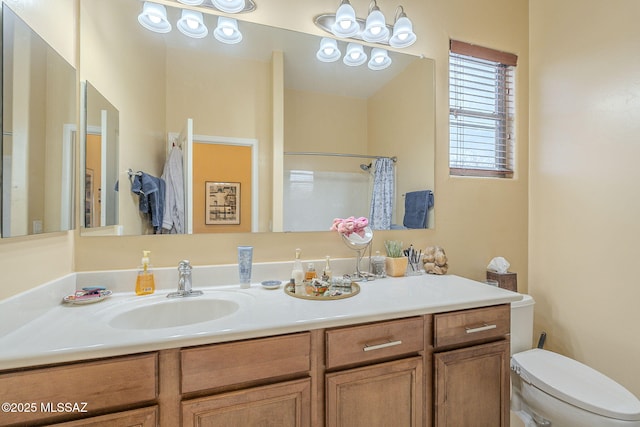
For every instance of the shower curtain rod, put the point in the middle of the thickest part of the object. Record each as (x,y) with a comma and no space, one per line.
(316,153)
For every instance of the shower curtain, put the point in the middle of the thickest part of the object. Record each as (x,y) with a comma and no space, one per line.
(382,197)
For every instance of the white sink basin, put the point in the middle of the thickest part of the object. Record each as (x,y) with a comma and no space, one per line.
(169,313)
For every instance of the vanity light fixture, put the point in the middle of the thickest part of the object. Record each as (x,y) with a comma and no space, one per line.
(191,2)
(345,24)
(227,31)
(403,34)
(379,59)
(192,24)
(355,55)
(229,6)
(154,17)
(328,51)
(375,29)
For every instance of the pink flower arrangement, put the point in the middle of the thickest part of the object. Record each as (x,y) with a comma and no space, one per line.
(350,225)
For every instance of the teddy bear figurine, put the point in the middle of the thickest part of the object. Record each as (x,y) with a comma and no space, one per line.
(435,260)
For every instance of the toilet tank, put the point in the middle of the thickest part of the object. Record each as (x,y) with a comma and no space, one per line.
(522,324)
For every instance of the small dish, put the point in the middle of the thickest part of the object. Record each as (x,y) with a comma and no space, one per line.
(84,297)
(271,284)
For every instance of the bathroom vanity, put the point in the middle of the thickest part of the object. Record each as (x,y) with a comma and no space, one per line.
(416,351)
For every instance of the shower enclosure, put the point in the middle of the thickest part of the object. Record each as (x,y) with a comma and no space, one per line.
(324,186)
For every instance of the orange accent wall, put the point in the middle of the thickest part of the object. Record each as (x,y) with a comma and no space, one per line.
(94,162)
(221,163)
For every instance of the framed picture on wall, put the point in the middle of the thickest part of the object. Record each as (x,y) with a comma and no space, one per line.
(222,203)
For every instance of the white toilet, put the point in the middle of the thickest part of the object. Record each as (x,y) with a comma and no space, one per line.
(549,389)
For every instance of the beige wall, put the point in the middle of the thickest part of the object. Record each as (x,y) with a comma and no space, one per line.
(226,97)
(401,124)
(584,204)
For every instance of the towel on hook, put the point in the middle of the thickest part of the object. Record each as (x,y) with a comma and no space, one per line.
(416,208)
(173,219)
(151,192)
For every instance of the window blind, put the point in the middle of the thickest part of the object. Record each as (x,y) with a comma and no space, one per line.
(481,111)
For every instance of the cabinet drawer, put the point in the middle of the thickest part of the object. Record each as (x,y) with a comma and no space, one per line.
(239,362)
(357,344)
(465,326)
(104,384)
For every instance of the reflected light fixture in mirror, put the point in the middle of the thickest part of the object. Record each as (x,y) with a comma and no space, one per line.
(328,51)
(227,31)
(154,17)
(379,59)
(191,24)
(355,55)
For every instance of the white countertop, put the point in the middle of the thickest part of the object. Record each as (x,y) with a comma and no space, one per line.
(62,333)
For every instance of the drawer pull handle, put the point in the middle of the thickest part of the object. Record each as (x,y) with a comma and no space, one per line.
(368,347)
(482,328)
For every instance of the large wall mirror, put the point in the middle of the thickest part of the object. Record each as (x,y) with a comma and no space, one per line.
(268,134)
(38,132)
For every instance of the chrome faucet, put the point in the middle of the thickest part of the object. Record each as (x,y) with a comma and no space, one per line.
(184,282)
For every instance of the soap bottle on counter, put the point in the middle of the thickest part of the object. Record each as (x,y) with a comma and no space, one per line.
(327,273)
(310,274)
(145,283)
(297,274)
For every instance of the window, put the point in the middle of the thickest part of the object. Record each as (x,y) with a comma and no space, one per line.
(481,111)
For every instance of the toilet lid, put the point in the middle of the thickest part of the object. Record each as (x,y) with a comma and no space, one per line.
(577,384)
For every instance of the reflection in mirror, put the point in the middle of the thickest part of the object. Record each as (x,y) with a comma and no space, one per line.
(100,148)
(38,132)
(267,94)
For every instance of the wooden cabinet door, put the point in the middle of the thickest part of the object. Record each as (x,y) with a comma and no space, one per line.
(472,386)
(285,404)
(385,394)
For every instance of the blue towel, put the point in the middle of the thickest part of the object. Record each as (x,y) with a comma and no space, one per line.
(151,192)
(416,208)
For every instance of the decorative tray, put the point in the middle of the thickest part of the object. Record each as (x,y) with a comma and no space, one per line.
(323,293)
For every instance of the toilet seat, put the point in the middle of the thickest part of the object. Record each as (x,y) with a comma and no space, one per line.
(577,384)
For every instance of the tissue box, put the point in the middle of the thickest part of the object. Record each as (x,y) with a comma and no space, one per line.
(506,280)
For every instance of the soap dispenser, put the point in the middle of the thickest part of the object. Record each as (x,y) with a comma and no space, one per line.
(145,283)
(297,274)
